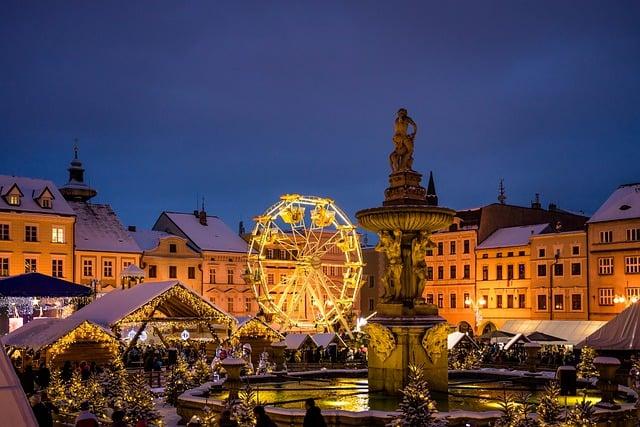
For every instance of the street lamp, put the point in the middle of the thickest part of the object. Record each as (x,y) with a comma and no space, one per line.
(476,306)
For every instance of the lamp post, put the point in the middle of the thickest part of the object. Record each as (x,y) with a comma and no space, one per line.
(476,306)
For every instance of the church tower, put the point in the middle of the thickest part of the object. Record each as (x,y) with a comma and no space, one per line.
(76,189)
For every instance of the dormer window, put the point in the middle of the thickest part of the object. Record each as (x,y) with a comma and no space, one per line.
(13,196)
(44,198)
(45,203)
(13,199)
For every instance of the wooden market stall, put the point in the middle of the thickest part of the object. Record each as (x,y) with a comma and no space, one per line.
(56,340)
(258,334)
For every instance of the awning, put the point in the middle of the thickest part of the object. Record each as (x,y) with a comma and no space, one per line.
(620,333)
(495,334)
(544,338)
(40,285)
(571,331)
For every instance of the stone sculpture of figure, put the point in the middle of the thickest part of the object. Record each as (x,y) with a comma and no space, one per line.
(419,247)
(402,156)
(390,244)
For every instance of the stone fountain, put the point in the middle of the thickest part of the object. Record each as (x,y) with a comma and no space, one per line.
(405,330)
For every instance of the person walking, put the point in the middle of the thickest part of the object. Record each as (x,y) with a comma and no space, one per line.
(226,421)
(86,418)
(262,419)
(50,407)
(313,417)
(44,376)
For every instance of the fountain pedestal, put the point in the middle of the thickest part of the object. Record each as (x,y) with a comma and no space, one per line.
(233,367)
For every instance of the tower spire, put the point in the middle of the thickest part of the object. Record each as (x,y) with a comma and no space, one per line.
(432,198)
(501,193)
(76,189)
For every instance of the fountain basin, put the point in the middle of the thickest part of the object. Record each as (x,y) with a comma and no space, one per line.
(405,217)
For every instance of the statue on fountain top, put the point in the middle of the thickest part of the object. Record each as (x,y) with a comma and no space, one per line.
(402,156)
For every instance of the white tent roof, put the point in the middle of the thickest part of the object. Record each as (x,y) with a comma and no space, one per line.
(620,333)
(295,341)
(572,331)
(455,337)
(42,332)
(14,406)
(323,340)
(515,339)
(132,270)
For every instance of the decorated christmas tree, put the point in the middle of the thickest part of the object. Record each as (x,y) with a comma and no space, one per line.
(201,371)
(548,408)
(585,367)
(138,401)
(461,357)
(57,391)
(88,390)
(242,409)
(114,382)
(416,406)
(208,417)
(582,414)
(178,381)
(514,413)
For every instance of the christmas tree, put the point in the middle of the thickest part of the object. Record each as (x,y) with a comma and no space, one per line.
(114,382)
(208,417)
(548,408)
(582,414)
(201,371)
(514,413)
(242,409)
(461,357)
(57,391)
(178,381)
(138,400)
(416,406)
(585,367)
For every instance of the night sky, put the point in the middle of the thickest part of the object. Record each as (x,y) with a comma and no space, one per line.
(240,102)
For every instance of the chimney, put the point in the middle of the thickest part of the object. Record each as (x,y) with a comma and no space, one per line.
(536,202)
(202,216)
(195,213)
(132,228)
(553,207)
(241,230)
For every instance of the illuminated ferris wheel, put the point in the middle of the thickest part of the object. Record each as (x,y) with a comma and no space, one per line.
(305,263)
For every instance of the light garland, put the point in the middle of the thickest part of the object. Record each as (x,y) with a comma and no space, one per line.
(84,332)
(255,328)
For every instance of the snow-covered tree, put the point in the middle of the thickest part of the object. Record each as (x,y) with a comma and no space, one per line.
(114,382)
(138,401)
(585,367)
(242,408)
(582,414)
(201,371)
(549,409)
(515,414)
(178,381)
(58,391)
(88,390)
(417,407)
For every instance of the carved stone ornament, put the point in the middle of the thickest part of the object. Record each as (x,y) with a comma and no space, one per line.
(381,339)
(434,342)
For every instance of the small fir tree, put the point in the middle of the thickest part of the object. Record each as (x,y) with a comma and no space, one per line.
(549,409)
(201,371)
(138,401)
(58,392)
(208,417)
(582,414)
(242,408)
(417,407)
(178,381)
(516,414)
(585,367)
(114,381)
(89,390)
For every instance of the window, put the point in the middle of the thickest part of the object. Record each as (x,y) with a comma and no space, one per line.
(440,272)
(605,266)
(542,270)
(429,252)
(633,234)
(372,304)
(510,272)
(45,203)
(173,272)
(509,253)
(485,272)
(4,267)
(153,271)
(452,248)
(498,301)
(4,231)
(605,296)
(372,281)
(107,268)
(452,300)
(429,298)
(521,253)
(576,268)
(229,304)
(271,278)
(30,233)
(87,268)
(485,255)
(499,255)
(191,272)
(466,298)
(606,236)
(440,248)
(558,302)
(57,234)
(465,246)
(521,271)
(429,273)
(509,301)
(452,272)
(56,268)
(486,299)
(542,302)
(558,270)
(466,273)
(229,276)
(247,305)
(172,248)
(269,253)
(498,272)
(212,275)
(633,293)
(30,265)
(13,199)
(521,301)
(576,302)
(440,301)
(632,264)
(541,253)
(575,250)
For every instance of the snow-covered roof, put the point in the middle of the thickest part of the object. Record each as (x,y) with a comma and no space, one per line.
(455,337)
(295,341)
(215,236)
(323,340)
(572,331)
(624,203)
(99,229)
(43,332)
(132,270)
(515,339)
(32,188)
(14,405)
(149,239)
(512,236)
(118,304)
(620,333)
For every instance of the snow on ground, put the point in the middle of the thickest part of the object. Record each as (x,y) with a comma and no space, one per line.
(167,412)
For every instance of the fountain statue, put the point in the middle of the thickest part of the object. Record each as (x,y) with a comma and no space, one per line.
(405,329)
